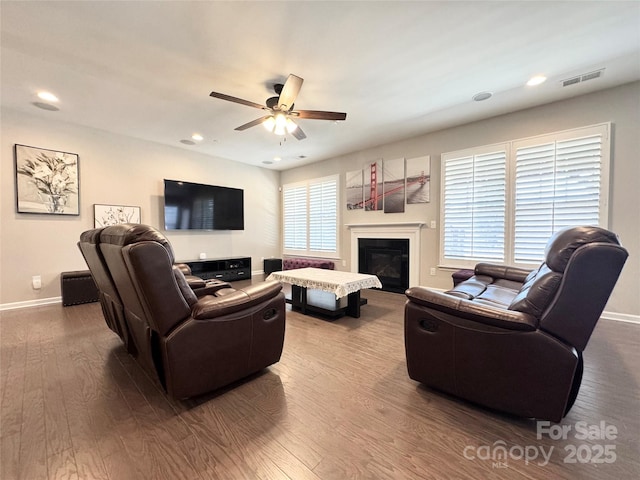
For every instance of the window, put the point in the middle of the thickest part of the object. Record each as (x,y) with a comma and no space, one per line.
(558,184)
(310,217)
(501,203)
(474,205)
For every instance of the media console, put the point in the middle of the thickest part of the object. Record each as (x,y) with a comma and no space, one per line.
(227,269)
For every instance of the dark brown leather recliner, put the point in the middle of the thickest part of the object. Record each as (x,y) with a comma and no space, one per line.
(109,297)
(512,339)
(193,345)
(110,301)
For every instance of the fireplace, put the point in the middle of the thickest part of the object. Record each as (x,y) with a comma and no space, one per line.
(408,231)
(388,259)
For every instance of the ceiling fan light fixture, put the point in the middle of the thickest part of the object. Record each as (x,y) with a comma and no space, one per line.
(269,123)
(280,112)
(280,124)
(291,125)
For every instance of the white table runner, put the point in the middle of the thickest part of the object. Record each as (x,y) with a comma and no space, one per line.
(334,281)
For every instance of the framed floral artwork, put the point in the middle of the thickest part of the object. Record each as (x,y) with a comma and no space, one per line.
(105,215)
(47,181)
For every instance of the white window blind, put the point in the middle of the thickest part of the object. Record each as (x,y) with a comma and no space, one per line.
(474,206)
(322,216)
(295,217)
(557,185)
(310,217)
(503,204)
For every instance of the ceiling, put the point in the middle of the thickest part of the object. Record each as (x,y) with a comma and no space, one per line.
(399,69)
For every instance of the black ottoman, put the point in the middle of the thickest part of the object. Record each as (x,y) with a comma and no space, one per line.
(78,287)
(272,265)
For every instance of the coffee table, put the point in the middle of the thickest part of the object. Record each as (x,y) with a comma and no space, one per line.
(308,283)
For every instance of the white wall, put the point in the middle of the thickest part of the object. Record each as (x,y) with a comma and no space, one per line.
(620,105)
(122,171)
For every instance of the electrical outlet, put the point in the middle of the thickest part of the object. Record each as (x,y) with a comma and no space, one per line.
(203,256)
(432,271)
(36,282)
(433,224)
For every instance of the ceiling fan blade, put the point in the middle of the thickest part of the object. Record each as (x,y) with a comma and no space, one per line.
(289,92)
(255,122)
(319,115)
(298,133)
(229,98)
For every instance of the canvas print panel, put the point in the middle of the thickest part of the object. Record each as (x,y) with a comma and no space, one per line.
(393,185)
(373,188)
(418,179)
(354,188)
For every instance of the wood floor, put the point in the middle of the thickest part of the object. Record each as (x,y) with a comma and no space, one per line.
(339,405)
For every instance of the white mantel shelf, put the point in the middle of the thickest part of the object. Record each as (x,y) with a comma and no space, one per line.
(386,225)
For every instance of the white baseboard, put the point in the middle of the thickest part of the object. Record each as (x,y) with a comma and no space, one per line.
(621,317)
(618,317)
(30,303)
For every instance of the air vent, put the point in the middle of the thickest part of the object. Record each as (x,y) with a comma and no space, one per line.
(582,78)
(592,75)
(571,81)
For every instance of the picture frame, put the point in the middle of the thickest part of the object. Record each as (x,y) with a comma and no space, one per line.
(47,181)
(105,215)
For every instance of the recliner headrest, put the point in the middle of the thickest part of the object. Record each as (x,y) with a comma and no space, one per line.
(91,236)
(563,243)
(129,233)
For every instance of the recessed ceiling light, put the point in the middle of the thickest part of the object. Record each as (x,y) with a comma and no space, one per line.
(537,80)
(478,97)
(48,96)
(197,137)
(46,106)
(276,159)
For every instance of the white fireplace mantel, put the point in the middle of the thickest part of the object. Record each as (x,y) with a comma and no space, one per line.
(385,225)
(399,230)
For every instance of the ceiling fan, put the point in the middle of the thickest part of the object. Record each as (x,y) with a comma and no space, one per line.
(281,113)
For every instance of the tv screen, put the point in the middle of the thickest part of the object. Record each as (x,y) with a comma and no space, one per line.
(194,206)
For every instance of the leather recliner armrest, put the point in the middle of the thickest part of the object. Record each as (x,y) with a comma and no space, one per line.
(482,313)
(211,307)
(195,282)
(501,271)
(212,288)
(184,268)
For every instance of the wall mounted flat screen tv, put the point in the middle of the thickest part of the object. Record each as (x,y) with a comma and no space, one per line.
(194,206)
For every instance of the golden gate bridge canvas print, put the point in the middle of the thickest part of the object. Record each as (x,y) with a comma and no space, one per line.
(387,186)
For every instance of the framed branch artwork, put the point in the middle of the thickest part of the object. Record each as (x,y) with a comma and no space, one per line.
(47,181)
(105,215)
